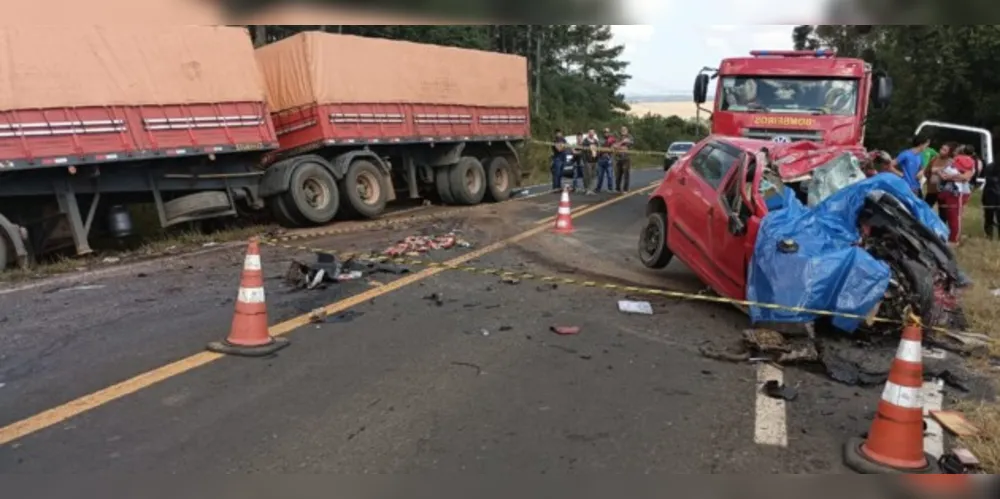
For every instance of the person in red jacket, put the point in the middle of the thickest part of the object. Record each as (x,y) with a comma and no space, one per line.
(954,191)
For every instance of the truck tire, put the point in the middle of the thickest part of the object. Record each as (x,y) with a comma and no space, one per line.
(199,203)
(499,179)
(468,181)
(5,252)
(364,188)
(283,214)
(442,181)
(312,196)
(653,250)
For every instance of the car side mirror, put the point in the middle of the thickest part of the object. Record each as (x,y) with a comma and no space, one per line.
(736,226)
(882,91)
(701,88)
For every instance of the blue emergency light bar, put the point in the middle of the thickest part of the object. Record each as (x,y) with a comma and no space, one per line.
(794,53)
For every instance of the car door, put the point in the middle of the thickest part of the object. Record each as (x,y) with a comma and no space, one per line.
(696,200)
(732,237)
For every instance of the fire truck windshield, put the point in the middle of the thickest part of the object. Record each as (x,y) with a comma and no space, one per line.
(768,94)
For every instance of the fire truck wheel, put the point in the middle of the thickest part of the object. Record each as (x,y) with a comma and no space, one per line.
(468,181)
(653,249)
(442,180)
(499,179)
(313,194)
(279,206)
(365,189)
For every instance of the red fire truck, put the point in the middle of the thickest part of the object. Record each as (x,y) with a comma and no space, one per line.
(787,96)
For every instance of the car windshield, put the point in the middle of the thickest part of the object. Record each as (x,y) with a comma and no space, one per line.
(789,95)
(680,148)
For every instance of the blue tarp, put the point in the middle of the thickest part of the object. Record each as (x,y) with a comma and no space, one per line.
(828,272)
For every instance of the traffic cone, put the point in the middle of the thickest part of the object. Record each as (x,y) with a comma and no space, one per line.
(895,442)
(248,336)
(564,218)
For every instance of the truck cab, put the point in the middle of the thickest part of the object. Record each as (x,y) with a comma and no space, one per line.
(789,96)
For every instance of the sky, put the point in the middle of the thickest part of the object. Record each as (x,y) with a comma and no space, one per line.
(683,36)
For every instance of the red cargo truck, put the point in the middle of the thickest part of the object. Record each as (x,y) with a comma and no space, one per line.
(93,119)
(362,121)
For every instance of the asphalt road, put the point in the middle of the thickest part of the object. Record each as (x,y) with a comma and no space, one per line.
(453,371)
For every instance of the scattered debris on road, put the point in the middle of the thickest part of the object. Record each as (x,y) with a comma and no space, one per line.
(635,307)
(479,370)
(955,422)
(565,330)
(418,245)
(328,269)
(437,298)
(510,280)
(776,390)
(960,461)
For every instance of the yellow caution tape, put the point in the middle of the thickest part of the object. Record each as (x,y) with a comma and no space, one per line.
(912,319)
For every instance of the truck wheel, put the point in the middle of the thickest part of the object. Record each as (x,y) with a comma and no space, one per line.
(364,188)
(468,181)
(442,181)
(193,205)
(286,217)
(5,252)
(653,249)
(312,195)
(499,179)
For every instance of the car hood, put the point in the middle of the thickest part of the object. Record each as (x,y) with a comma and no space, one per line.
(797,160)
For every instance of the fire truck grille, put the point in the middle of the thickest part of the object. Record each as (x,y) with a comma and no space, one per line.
(791,135)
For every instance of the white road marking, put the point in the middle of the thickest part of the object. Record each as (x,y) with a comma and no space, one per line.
(770,427)
(933,395)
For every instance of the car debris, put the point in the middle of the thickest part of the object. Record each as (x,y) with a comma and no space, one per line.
(565,330)
(777,390)
(955,422)
(328,269)
(417,245)
(635,307)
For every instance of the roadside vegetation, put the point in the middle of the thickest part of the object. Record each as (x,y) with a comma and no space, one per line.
(980,259)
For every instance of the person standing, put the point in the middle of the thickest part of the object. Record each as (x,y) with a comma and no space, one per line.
(991,200)
(909,163)
(591,144)
(623,166)
(605,162)
(558,159)
(577,161)
(954,191)
(932,173)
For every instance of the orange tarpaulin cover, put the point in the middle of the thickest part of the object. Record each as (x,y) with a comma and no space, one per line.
(323,68)
(77,66)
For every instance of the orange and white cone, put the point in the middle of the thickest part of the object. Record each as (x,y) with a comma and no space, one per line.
(564,217)
(895,442)
(248,336)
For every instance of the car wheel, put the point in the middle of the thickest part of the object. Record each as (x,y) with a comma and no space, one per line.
(364,189)
(313,194)
(653,251)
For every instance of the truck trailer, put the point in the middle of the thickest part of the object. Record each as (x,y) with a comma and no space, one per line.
(192,119)
(362,121)
(94,118)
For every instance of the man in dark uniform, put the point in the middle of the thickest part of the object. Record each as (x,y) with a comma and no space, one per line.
(558,159)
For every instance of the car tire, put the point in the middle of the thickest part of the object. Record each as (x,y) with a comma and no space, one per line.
(499,179)
(365,189)
(197,204)
(653,250)
(312,196)
(468,181)
(442,181)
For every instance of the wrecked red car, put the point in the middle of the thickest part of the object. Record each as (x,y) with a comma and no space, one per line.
(710,206)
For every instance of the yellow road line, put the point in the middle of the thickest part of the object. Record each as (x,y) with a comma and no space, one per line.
(74,408)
